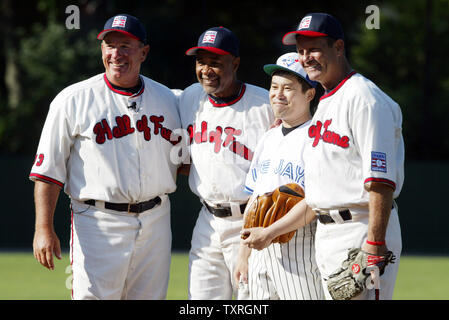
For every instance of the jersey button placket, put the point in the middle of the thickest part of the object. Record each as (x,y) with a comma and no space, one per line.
(138,145)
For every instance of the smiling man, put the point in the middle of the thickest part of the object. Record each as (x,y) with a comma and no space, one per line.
(225,118)
(99,146)
(122,57)
(286,271)
(354,160)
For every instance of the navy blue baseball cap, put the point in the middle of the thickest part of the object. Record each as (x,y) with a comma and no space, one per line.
(315,25)
(126,24)
(219,40)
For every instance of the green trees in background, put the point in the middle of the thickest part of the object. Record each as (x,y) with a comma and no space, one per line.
(41,58)
(405,56)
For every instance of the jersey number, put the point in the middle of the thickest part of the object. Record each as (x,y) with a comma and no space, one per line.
(38,159)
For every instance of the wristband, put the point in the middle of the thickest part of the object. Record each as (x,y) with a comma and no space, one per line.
(376,243)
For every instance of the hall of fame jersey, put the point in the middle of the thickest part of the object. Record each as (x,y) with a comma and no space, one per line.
(355,138)
(222,140)
(105,144)
(277,160)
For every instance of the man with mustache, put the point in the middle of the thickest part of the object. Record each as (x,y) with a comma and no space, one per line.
(224,118)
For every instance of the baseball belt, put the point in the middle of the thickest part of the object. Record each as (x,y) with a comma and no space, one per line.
(222,212)
(325,218)
(129,207)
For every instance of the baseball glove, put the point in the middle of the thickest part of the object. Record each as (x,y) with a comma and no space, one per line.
(350,280)
(271,206)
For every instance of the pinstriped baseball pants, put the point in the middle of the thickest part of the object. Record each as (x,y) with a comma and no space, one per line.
(286,271)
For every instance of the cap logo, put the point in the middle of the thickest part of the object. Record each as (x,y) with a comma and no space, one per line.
(305,22)
(119,21)
(209,37)
(289,61)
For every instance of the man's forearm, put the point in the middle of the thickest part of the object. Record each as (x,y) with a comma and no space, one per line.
(299,216)
(45,199)
(45,242)
(380,202)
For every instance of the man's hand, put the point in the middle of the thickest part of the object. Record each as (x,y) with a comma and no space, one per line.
(256,238)
(241,266)
(45,245)
(46,242)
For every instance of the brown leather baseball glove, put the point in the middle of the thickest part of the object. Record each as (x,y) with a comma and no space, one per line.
(271,206)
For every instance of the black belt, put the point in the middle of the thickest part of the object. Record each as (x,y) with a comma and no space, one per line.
(223,212)
(344,214)
(326,218)
(129,207)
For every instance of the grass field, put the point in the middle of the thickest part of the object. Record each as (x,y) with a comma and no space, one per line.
(22,278)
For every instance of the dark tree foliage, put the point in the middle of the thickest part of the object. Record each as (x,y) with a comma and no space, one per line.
(405,57)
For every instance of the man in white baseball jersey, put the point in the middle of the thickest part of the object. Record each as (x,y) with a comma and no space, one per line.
(224,118)
(106,142)
(354,159)
(283,271)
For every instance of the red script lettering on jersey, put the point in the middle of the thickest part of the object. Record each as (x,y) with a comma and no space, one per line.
(123,128)
(103,130)
(216,137)
(327,136)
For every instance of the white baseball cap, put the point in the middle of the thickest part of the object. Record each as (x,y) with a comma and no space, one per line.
(289,62)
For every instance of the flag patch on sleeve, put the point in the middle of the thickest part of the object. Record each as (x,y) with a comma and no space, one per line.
(378,161)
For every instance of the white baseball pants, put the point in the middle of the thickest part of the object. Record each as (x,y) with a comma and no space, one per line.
(334,240)
(212,257)
(118,255)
